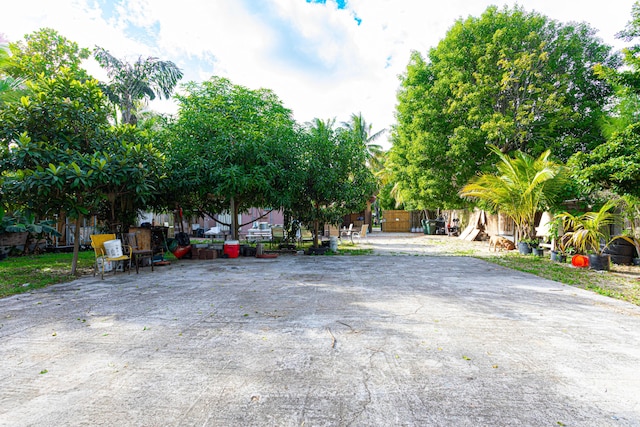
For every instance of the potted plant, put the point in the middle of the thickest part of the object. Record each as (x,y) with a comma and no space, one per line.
(630,207)
(587,233)
(537,249)
(525,246)
(555,233)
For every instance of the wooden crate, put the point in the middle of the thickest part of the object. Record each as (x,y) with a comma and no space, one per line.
(143,237)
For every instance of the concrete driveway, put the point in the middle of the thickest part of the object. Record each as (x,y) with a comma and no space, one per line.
(381,340)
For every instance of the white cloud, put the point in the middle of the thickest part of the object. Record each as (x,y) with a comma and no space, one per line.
(315,57)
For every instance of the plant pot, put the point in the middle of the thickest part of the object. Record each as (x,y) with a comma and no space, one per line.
(621,259)
(538,251)
(524,248)
(556,256)
(619,246)
(599,262)
(317,251)
(636,261)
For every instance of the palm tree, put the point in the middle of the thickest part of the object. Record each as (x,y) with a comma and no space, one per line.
(362,132)
(133,84)
(587,231)
(9,86)
(522,186)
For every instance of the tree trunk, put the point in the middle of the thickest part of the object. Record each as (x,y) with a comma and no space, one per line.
(76,245)
(316,227)
(234,219)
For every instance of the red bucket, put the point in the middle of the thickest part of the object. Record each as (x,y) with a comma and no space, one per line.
(231,248)
(580,261)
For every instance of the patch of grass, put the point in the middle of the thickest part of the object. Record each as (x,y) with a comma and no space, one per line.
(465,252)
(353,249)
(25,273)
(605,283)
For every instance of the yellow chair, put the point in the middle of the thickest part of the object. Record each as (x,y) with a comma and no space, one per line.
(97,242)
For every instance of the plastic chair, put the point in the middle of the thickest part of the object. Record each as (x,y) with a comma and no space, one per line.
(362,233)
(346,232)
(97,242)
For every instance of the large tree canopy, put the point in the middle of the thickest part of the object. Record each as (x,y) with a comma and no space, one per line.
(335,178)
(46,52)
(58,153)
(514,79)
(231,148)
(615,165)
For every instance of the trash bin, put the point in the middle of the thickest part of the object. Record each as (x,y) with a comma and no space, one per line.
(432,226)
(333,243)
(425,226)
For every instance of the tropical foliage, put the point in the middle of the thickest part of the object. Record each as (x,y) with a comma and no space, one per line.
(587,232)
(615,165)
(61,156)
(515,79)
(334,176)
(132,84)
(231,148)
(479,116)
(46,52)
(521,187)
(362,131)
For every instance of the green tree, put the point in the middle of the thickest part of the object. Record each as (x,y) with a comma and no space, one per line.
(59,153)
(335,178)
(614,165)
(514,79)
(135,167)
(9,86)
(522,186)
(231,148)
(362,131)
(132,84)
(46,52)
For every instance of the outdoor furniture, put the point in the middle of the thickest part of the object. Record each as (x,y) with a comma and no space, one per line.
(360,234)
(140,247)
(259,235)
(102,255)
(277,235)
(305,235)
(346,232)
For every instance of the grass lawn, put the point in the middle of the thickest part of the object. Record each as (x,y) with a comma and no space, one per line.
(621,282)
(24,273)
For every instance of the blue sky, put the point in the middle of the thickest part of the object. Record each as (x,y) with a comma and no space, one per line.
(323,58)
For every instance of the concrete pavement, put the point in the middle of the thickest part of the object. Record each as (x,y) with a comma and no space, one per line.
(413,340)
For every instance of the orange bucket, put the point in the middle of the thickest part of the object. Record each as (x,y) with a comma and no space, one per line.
(580,261)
